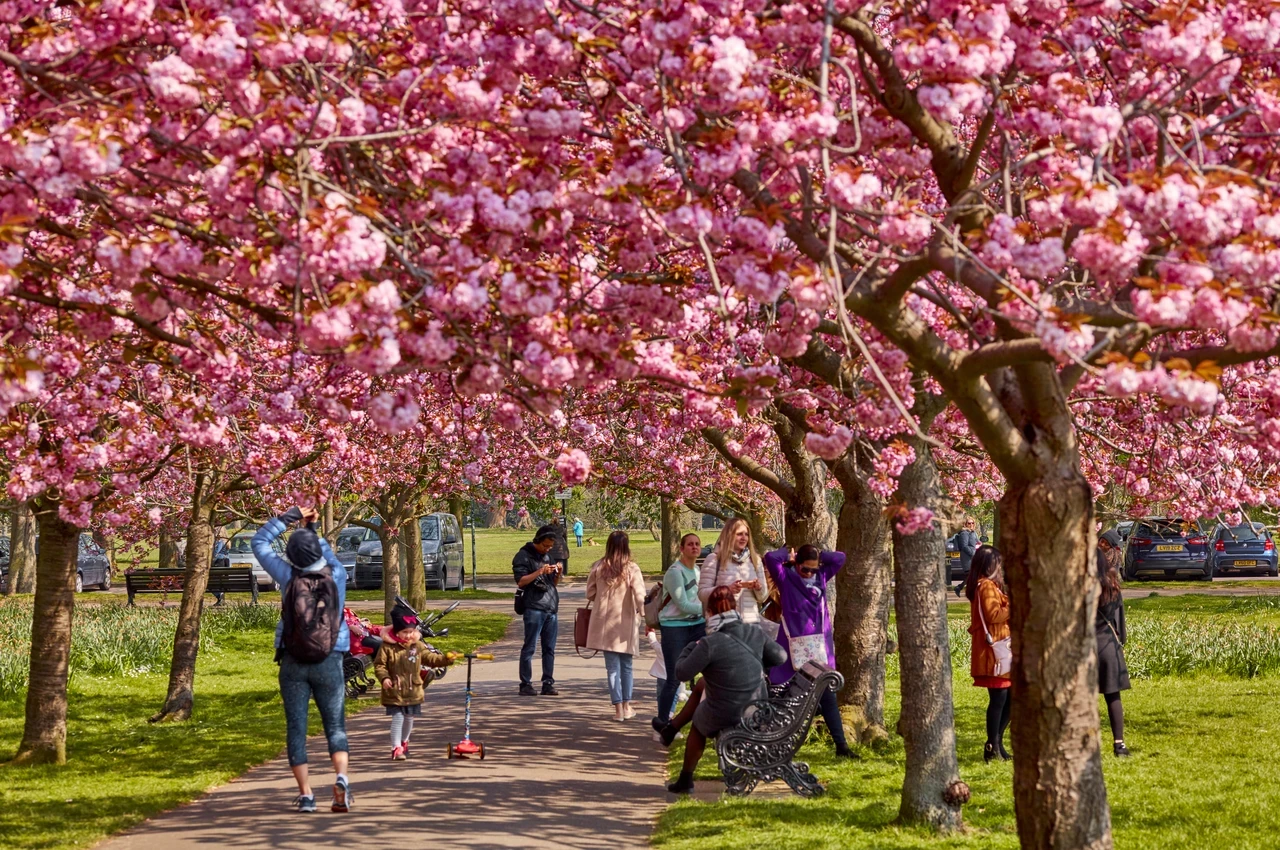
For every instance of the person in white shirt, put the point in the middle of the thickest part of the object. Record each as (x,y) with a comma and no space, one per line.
(734,563)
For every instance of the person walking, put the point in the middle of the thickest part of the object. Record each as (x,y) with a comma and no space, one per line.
(560,550)
(398,666)
(990,659)
(616,586)
(680,622)
(1113,671)
(807,630)
(732,659)
(577,530)
(538,601)
(967,543)
(733,563)
(311,637)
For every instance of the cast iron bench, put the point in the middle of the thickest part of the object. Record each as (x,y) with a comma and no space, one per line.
(223,581)
(763,746)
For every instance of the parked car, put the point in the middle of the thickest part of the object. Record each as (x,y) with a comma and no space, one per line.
(93,568)
(441,555)
(240,554)
(1248,547)
(954,570)
(1125,529)
(347,548)
(1168,548)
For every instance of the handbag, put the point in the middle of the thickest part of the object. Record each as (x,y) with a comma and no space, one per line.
(519,603)
(1002,649)
(806,648)
(581,627)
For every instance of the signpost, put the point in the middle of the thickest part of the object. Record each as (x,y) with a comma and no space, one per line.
(471,513)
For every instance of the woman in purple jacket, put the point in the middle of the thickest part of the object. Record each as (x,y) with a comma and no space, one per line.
(801,579)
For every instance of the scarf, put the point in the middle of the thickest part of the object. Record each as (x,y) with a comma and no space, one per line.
(717,620)
(741,557)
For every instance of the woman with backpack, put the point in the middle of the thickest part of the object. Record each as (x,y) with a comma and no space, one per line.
(807,632)
(311,638)
(616,586)
(680,621)
(991,658)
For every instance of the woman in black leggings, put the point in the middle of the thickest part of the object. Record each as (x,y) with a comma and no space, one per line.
(1113,672)
(989,626)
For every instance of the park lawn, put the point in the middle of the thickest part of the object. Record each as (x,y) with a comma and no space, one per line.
(496,547)
(1205,751)
(121,770)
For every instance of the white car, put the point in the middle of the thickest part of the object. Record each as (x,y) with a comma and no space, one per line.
(240,553)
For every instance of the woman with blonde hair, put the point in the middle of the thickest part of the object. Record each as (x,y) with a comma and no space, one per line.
(734,563)
(616,587)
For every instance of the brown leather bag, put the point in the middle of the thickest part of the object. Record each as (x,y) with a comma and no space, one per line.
(581,626)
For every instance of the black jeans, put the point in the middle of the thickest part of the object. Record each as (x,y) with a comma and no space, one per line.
(674,640)
(1115,713)
(831,714)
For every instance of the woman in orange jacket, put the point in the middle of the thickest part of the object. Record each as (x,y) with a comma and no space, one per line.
(989,626)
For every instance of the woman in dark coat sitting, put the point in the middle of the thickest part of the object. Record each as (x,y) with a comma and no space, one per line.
(732,659)
(1113,672)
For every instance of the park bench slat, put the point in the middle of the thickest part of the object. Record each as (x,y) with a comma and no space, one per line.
(221,581)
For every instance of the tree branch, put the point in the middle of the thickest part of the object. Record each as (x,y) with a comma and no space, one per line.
(748,467)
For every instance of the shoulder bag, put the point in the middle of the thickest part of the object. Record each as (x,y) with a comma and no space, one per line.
(581,628)
(806,648)
(1003,648)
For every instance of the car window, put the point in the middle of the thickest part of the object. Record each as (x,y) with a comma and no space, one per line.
(1244,531)
(349,541)
(241,545)
(88,546)
(430,528)
(1161,528)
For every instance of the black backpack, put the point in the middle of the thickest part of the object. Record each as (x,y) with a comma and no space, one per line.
(311,615)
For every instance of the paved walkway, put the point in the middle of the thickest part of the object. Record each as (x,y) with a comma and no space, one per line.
(559,772)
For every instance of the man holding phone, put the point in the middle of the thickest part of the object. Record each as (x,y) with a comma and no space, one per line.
(536,579)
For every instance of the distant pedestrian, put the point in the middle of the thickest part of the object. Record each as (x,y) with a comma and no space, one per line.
(1113,671)
(807,633)
(733,563)
(538,600)
(560,549)
(966,540)
(577,530)
(680,621)
(311,638)
(616,586)
(991,659)
(398,666)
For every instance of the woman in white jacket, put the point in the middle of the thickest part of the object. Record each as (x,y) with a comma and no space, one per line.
(734,563)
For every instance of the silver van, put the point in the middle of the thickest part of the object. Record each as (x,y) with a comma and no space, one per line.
(442,559)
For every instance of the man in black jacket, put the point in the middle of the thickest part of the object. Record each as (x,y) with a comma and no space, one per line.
(536,580)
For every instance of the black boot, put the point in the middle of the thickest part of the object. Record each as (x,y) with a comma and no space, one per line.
(668,734)
(844,753)
(683,785)
(988,751)
(1121,750)
(1004,754)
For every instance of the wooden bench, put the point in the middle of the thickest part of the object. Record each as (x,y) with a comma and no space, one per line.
(763,746)
(221,582)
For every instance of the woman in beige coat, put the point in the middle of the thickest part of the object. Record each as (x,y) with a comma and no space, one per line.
(617,588)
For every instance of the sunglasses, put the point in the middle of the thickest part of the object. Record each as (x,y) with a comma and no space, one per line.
(807,571)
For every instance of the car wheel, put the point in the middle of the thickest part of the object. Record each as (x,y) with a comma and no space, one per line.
(1208,573)
(79,583)
(106,580)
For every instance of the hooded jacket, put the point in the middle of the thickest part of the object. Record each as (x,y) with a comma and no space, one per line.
(402,663)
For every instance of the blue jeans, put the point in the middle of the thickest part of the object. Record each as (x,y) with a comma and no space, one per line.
(618,667)
(539,623)
(579,536)
(674,640)
(299,684)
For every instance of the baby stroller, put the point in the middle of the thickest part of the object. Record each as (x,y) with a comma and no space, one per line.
(366,640)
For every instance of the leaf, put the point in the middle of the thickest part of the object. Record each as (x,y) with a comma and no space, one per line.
(1178,364)
(1141,357)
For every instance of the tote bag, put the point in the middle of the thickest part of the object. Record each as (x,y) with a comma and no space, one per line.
(806,648)
(1003,648)
(581,628)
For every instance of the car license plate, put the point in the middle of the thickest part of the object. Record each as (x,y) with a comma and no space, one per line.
(955,556)
(1246,563)
(1168,548)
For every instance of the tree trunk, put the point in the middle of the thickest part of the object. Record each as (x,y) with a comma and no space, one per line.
(807,518)
(1047,539)
(415,587)
(670,531)
(498,516)
(22,550)
(44,735)
(168,552)
(390,570)
(327,520)
(927,724)
(180,699)
(862,605)
(458,507)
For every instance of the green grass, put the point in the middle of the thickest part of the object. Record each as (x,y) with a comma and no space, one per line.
(121,769)
(1204,746)
(435,598)
(496,547)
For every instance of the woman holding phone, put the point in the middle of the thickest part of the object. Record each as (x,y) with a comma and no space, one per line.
(734,563)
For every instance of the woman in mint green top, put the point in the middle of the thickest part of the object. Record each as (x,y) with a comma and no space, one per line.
(681,620)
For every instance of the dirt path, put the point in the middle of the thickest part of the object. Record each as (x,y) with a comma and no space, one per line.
(559,772)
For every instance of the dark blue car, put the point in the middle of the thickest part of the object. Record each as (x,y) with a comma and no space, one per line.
(1245,548)
(1164,547)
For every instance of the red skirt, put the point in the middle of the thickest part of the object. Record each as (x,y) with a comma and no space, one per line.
(992,682)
